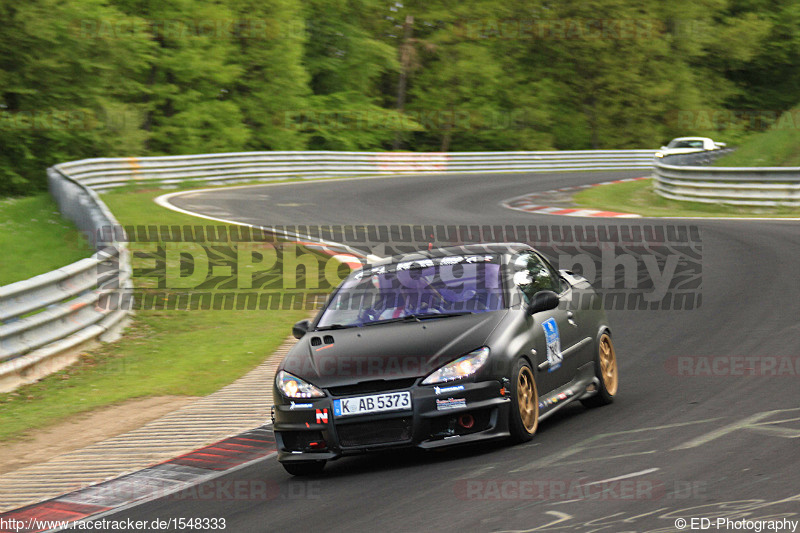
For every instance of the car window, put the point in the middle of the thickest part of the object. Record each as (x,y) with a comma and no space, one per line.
(685,144)
(453,284)
(532,275)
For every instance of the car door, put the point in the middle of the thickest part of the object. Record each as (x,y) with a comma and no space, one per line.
(556,335)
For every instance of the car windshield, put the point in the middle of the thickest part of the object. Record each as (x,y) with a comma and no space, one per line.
(416,290)
(685,144)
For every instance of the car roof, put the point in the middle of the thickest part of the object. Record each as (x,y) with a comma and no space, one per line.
(464,249)
(690,139)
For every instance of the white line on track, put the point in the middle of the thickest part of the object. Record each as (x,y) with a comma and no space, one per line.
(163,201)
(626,476)
(609,480)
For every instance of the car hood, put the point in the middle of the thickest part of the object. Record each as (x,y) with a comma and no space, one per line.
(387,351)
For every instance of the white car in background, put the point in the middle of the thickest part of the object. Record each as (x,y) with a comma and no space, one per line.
(687,145)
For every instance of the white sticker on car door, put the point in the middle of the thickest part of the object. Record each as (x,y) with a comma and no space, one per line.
(553,340)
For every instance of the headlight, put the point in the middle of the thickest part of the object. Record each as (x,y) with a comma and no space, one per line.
(460,368)
(659,154)
(294,387)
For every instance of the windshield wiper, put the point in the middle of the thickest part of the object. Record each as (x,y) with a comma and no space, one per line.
(442,315)
(418,317)
(336,326)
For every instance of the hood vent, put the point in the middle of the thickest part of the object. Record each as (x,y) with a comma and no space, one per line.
(328,339)
(316,341)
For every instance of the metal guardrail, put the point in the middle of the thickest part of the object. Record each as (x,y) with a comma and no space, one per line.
(104,174)
(46,316)
(696,158)
(679,178)
(44,319)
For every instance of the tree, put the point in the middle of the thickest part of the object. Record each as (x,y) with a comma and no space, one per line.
(346,57)
(274,83)
(190,78)
(66,83)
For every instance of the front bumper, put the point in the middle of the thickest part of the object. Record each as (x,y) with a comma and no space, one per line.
(307,430)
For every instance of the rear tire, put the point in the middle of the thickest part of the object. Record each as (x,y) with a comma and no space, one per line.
(524,416)
(605,368)
(304,468)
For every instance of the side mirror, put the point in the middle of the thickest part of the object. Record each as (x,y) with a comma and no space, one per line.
(543,301)
(300,329)
(663,148)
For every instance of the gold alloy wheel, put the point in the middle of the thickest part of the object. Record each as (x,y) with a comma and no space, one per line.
(527,400)
(608,365)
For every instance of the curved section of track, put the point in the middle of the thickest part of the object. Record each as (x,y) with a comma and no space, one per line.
(674,445)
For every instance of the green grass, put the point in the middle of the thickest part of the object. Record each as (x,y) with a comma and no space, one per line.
(639,197)
(777,147)
(169,353)
(35,239)
(183,353)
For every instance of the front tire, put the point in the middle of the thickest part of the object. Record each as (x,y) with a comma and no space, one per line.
(524,404)
(606,371)
(304,468)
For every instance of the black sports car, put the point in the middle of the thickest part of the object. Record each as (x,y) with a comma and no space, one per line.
(437,348)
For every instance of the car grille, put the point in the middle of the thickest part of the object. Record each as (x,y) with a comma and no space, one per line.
(376,385)
(393,430)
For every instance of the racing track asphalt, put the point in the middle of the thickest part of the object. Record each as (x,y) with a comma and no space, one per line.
(686,446)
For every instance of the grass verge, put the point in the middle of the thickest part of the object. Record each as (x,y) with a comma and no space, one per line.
(35,239)
(639,197)
(779,146)
(163,353)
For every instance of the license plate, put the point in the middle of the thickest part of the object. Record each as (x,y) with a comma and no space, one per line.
(374,403)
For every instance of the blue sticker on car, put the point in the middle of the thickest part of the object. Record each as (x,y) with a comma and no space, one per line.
(553,340)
